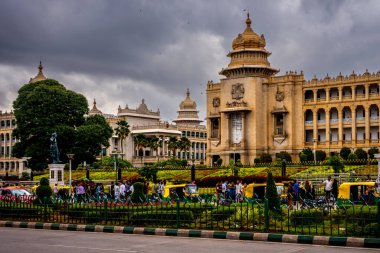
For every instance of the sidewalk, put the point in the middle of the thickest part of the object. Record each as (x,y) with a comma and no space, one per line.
(269,237)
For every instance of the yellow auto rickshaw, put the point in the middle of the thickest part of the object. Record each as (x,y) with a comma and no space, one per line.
(180,191)
(354,192)
(257,190)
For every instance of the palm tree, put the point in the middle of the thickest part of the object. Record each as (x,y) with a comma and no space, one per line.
(122,131)
(184,145)
(173,144)
(140,142)
(153,143)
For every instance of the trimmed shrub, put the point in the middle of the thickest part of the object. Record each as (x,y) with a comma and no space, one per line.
(352,156)
(320,155)
(44,190)
(345,152)
(271,194)
(309,154)
(138,195)
(284,155)
(361,154)
(372,151)
(161,217)
(336,163)
(265,158)
(219,161)
(306,217)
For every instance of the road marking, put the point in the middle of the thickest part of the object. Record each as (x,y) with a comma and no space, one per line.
(293,250)
(77,247)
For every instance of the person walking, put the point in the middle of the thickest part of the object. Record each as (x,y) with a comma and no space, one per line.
(328,189)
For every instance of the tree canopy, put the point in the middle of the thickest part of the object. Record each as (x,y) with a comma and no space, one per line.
(45,107)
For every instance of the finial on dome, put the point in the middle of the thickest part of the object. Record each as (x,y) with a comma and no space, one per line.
(188,92)
(248,20)
(143,101)
(40,68)
(94,102)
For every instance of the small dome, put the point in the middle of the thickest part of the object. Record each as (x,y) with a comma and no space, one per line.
(94,110)
(40,76)
(248,39)
(188,103)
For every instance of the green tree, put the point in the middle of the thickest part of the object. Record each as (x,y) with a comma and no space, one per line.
(184,144)
(336,163)
(372,151)
(122,131)
(309,154)
(344,152)
(42,108)
(272,195)
(89,139)
(44,190)
(284,155)
(352,156)
(361,154)
(140,142)
(138,195)
(320,155)
(153,143)
(173,145)
(265,158)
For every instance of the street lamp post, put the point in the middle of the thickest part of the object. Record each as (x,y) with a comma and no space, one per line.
(71,157)
(193,169)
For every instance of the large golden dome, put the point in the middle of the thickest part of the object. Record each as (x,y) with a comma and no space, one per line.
(248,39)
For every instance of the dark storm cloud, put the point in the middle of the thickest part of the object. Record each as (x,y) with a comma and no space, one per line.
(121,51)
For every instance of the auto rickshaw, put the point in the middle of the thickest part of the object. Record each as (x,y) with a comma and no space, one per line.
(257,190)
(356,192)
(180,191)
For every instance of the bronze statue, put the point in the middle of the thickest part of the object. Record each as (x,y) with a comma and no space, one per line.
(54,152)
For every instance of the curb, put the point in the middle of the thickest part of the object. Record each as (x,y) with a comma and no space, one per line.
(248,236)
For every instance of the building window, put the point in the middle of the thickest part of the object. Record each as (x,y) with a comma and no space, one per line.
(236,128)
(8,123)
(2,123)
(201,134)
(214,128)
(197,135)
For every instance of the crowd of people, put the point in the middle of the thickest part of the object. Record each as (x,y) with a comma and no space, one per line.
(230,190)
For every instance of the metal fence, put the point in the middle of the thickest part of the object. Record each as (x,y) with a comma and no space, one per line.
(254,216)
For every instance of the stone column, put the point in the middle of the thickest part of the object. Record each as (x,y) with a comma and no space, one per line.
(340,91)
(327,113)
(367,124)
(366,87)
(340,126)
(353,124)
(226,127)
(353,92)
(327,95)
(315,126)
(243,139)
(315,95)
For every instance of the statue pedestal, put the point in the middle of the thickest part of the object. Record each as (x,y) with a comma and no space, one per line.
(56,174)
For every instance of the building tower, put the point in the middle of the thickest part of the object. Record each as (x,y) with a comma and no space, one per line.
(187,114)
(40,76)
(236,107)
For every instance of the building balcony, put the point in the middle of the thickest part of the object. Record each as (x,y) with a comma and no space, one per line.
(360,96)
(347,120)
(374,141)
(373,94)
(334,98)
(360,141)
(321,121)
(321,99)
(347,142)
(309,100)
(373,118)
(360,119)
(308,122)
(333,121)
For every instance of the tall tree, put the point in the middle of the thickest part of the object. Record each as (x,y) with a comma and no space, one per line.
(43,108)
(122,131)
(153,143)
(173,144)
(140,142)
(184,144)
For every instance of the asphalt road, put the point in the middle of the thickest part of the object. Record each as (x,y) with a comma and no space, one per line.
(53,241)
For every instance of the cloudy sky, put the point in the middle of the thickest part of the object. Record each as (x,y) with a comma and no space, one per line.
(122,51)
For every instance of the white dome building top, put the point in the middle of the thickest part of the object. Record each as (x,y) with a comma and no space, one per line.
(188,114)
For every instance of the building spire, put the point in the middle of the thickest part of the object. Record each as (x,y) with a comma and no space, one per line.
(40,76)
(248,21)
(40,68)
(188,92)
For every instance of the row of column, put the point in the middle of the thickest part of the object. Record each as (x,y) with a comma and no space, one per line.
(7,143)
(340,124)
(340,92)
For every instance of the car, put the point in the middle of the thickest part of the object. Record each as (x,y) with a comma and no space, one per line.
(17,195)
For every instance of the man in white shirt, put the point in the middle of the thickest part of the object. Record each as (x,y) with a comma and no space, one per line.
(117,193)
(328,188)
(238,190)
(122,191)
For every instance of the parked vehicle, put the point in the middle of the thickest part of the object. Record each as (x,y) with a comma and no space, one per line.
(354,192)
(18,195)
(180,191)
(257,190)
